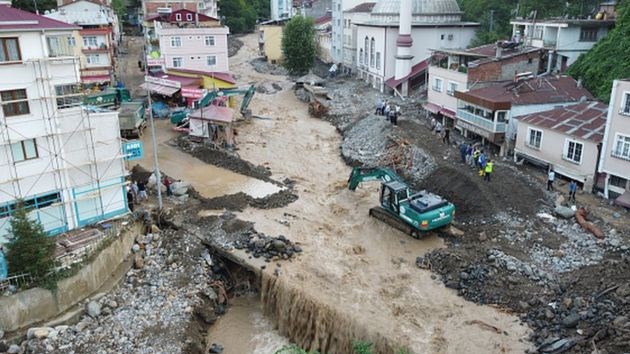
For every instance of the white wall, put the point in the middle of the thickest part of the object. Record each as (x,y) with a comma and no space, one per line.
(194,51)
(443,98)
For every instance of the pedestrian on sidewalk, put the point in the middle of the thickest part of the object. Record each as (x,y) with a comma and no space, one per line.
(446,138)
(488,170)
(142,191)
(572,190)
(167,184)
(551,176)
(130,199)
(462,151)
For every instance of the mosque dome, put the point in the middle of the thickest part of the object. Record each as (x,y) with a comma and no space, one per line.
(419,7)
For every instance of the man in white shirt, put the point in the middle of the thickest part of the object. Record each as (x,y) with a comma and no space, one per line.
(551,176)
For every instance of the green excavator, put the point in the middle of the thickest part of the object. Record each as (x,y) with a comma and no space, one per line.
(412,213)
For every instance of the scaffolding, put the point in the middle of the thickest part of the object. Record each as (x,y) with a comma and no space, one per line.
(59,138)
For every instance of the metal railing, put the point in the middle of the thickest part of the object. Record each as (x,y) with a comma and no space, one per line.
(18,281)
(475,119)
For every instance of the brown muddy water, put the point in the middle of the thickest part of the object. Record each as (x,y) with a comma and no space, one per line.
(244,329)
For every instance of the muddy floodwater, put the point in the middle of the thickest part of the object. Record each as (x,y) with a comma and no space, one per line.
(244,329)
(210,181)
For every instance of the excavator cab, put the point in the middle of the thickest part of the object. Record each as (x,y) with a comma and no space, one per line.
(392,193)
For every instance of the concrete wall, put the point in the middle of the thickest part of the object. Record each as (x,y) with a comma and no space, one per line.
(505,68)
(35,305)
(553,148)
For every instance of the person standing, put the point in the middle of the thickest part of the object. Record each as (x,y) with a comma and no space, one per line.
(475,158)
(386,110)
(134,189)
(469,152)
(446,138)
(142,191)
(167,184)
(379,107)
(438,128)
(482,163)
(462,152)
(433,124)
(551,176)
(130,199)
(488,170)
(572,190)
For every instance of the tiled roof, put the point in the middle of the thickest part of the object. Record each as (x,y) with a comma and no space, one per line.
(584,120)
(537,90)
(363,7)
(16,19)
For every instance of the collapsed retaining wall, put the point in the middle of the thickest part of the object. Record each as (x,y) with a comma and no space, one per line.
(34,305)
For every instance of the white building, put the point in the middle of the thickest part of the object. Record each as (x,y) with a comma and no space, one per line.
(281,9)
(393,45)
(565,39)
(338,26)
(64,162)
(351,17)
(614,160)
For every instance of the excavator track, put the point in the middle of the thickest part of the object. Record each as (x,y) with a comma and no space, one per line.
(386,217)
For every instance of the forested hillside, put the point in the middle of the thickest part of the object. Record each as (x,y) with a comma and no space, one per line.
(241,15)
(609,59)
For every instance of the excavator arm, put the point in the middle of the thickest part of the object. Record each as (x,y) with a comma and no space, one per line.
(365,174)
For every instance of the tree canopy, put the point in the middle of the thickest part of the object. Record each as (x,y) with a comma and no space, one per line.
(241,15)
(608,60)
(29,5)
(30,250)
(299,45)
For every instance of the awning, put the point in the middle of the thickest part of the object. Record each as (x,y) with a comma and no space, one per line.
(95,79)
(433,108)
(448,113)
(415,70)
(159,89)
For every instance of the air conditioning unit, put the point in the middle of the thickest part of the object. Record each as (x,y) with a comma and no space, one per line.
(164,10)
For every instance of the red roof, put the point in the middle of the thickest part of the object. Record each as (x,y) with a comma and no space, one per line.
(183,80)
(363,7)
(583,120)
(227,77)
(415,70)
(16,19)
(537,90)
(172,18)
(323,19)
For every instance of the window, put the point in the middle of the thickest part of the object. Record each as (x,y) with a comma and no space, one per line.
(501,116)
(534,138)
(366,50)
(189,17)
(33,203)
(372,52)
(588,34)
(24,150)
(177,62)
(14,102)
(378,60)
(361,56)
(9,50)
(621,149)
(68,95)
(93,59)
(59,46)
(178,17)
(210,40)
(201,5)
(90,42)
(437,84)
(573,151)
(212,60)
(625,104)
(452,87)
(617,181)
(176,42)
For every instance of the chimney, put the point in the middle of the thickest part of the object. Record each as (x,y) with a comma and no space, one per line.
(579,83)
(499,51)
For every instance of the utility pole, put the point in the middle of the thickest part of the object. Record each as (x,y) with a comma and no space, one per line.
(491,20)
(156,167)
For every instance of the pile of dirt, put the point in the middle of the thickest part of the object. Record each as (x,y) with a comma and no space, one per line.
(234,45)
(224,159)
(240,201)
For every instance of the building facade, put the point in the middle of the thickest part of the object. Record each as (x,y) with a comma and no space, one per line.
(64,162)
(351,17)
(431,25)
(152,8)
(565,39)
(98,38)
(615,154)
(566,139)
(465,69)
(338,27)
(281,9)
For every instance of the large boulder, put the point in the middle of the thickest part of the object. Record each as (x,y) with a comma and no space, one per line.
(93,309)
(180,188)
(564,212)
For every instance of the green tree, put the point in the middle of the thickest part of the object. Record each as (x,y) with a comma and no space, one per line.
(298,45)
(120,9)
(238,15)
(30,250)
(29,5)
(608,59)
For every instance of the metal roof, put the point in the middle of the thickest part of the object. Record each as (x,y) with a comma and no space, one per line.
(583,120)
(363,7)
(418,7)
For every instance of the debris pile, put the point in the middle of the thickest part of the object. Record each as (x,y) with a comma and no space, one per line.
(264,67)
(366,143)
(269,247)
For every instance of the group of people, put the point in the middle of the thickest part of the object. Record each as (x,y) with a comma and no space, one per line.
(472,155)
(441,130)
(383,108)
(551,177)
(137,192)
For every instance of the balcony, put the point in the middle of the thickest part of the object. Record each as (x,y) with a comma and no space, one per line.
(481,122)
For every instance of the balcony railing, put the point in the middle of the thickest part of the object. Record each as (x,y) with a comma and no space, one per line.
(481,122)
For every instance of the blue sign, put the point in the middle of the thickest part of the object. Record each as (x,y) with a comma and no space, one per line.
(133,150)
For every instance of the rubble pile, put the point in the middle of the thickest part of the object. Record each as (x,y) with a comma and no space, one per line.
(269,247)
(168,274)
(264,67)
(234,45)
(366,142)
(268,88)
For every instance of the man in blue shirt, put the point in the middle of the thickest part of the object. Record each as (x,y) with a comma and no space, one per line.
(572,190)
